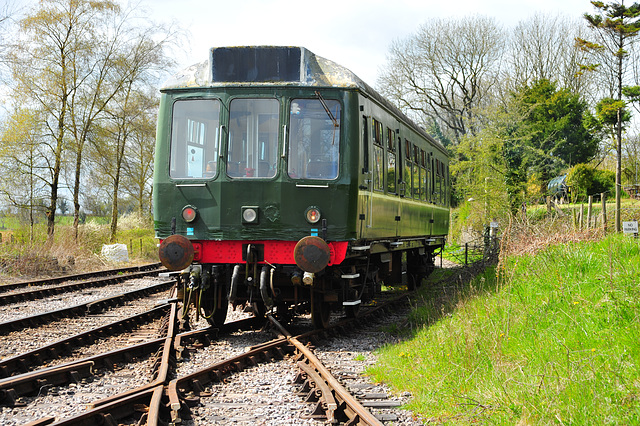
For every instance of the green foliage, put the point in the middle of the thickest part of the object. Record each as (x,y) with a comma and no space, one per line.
(586,180)
(558,124)
(550,339)
(480,178)
(607,111)
(538,134)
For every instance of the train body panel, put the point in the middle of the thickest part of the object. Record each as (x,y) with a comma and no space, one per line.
(285,191)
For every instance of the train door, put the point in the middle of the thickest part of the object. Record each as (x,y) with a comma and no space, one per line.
(432,193)
(393,174)
(364,181)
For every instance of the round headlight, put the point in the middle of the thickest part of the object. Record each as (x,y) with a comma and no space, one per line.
(249,215)
(312,215)
(189,213)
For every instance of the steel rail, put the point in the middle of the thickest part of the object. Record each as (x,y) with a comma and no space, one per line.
(146,399)
(15,387)
(194,383)
(75,277)
(27,296)
(20,363)
(357,413)
(163,402)
(81,309)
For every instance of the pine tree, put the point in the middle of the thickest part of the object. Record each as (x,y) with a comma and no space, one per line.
(616,27)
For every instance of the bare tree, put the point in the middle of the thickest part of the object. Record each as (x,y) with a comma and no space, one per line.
(543,48)
(22,160)
(445,72)
(125,53)
(124,115)
(53,43)
(138,164)
(71,61)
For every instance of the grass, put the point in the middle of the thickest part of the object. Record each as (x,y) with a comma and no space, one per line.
(547,338)
(21,256)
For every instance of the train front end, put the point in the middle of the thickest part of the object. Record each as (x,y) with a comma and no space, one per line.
(251,182)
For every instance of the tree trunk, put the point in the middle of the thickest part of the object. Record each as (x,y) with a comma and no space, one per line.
(618,224)
(114,215)
(55,174)
(76,193)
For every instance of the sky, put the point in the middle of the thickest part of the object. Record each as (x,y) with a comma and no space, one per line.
(354,33)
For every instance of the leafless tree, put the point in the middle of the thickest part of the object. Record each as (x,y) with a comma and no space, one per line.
(70,61)
(446,71)
(544,47)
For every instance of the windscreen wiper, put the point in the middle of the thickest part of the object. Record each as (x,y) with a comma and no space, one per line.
(328,111)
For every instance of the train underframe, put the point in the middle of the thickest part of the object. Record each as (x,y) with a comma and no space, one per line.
(286,290)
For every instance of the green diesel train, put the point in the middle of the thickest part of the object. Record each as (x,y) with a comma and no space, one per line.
(285,182)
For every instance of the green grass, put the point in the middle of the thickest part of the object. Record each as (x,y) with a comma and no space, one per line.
(551,339)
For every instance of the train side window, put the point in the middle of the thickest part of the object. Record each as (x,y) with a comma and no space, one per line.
(407,173)
(378,168)
(377,131)
(433,180)
(391,162)
(438,183)
(314,138)
(195,139)
(416,173)
(378,156)
(448,185)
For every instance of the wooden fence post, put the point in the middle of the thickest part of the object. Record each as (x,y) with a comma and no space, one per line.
(603,196)
(589,211)
(581,216)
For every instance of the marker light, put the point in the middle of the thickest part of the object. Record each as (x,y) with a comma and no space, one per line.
(312,215)
(189,213)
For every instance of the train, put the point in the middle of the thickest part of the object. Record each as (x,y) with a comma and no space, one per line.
(284,183)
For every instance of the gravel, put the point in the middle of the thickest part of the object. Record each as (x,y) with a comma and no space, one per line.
(261,395)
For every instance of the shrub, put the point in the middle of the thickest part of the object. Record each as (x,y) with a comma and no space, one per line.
(586,180)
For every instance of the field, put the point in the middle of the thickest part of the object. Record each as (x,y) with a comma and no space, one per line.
(547,337)
(26,254)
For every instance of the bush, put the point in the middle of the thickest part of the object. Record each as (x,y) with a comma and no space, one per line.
(586,180)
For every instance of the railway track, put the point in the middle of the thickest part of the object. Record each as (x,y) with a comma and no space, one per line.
(174,385)
(26,291)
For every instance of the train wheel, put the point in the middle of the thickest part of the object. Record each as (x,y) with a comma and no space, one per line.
(352,310)
(320,311)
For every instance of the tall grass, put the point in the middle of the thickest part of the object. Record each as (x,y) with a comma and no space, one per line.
(21,255)
(551,338)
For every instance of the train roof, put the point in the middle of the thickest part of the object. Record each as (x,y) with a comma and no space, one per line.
(264,65)
(255,66)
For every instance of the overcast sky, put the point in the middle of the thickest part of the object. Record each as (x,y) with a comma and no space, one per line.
(354,33)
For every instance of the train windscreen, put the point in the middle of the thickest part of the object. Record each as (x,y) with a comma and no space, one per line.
(253,138)
(195,139)
(314,139)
